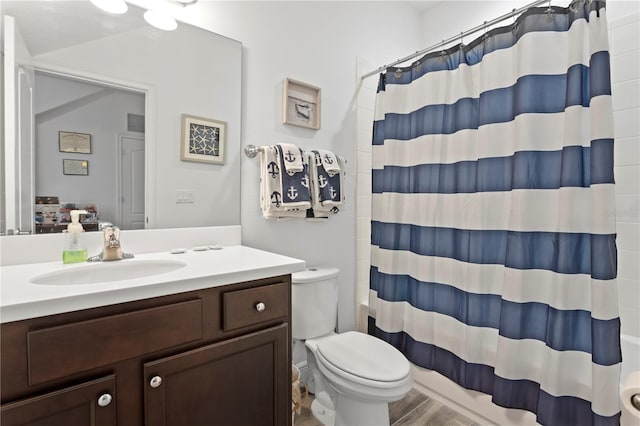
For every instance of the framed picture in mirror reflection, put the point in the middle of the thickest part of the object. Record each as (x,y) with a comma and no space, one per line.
(203,139)
(75,167)
(77,143)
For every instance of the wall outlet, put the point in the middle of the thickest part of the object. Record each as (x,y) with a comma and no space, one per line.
(185,196)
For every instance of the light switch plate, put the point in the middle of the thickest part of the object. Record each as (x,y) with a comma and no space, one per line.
(185,196)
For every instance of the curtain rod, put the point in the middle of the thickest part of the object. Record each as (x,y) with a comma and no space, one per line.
(486,24)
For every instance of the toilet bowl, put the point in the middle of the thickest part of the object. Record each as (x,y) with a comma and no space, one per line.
(353,375)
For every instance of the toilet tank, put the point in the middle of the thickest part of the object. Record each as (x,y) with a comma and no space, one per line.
(314,302)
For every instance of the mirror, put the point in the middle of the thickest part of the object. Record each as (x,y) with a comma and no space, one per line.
(68,57)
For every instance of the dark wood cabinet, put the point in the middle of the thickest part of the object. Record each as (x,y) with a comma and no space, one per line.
(88,404)
(220,355)
(221,381)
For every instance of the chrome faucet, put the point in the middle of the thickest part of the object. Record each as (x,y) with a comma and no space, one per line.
(111,249)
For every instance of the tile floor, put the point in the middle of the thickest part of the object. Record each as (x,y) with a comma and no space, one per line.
(415,409)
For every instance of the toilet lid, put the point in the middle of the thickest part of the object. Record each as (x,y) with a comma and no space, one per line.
(364,356)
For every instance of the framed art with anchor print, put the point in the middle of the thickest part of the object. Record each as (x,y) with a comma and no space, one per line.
(203,140)
(300,104)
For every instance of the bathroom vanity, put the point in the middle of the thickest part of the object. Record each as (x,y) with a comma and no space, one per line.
(208,343)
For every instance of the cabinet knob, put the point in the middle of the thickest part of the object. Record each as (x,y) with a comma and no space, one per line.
(155,381)
(260,306)
(104,400)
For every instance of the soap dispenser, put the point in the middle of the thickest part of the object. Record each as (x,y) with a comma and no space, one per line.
(74,251)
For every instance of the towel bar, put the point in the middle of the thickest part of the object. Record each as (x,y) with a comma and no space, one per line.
(251,150)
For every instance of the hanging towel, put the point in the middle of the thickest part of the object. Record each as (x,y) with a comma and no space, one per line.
(282,195)
(292,156)
(327,192)
(329,162)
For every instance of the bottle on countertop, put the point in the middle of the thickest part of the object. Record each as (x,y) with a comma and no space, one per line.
(75,250)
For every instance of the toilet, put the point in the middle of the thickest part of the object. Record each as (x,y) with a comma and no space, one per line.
(353,375)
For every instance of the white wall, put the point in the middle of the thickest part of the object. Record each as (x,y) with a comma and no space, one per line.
(317,43)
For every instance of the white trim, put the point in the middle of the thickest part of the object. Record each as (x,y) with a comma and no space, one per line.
(9,125)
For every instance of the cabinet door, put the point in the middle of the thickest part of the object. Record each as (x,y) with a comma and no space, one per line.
(91,403)
(241,381)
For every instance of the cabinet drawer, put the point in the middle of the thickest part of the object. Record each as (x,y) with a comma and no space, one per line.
(91,404)
(241,308)
(63,350)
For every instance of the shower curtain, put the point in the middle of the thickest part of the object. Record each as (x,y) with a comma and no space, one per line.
(493,225)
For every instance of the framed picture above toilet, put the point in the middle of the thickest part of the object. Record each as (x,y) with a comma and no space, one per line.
(300,104)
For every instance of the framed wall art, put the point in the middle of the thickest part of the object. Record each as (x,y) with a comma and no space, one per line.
(300,104)
(75,167)
(203,140)
(77,143)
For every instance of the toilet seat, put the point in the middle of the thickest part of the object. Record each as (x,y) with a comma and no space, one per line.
(348,355)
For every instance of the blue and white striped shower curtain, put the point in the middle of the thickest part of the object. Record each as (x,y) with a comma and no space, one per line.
(493,225)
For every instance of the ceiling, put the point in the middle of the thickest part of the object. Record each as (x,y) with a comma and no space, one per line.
(36,17)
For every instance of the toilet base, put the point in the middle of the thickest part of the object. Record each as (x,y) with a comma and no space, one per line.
(351,412)
(325,416)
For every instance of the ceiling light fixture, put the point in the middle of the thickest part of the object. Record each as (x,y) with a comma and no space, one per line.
(160,20)
(116,7)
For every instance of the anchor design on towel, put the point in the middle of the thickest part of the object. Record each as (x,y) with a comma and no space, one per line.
(332,192)
(318,160)
(290,156)
(292,193)
(276,198)
(322,181)
(328,159)
(305,181)
(273,169)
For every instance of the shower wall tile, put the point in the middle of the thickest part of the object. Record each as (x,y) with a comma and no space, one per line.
(626,123)
(625,94)
(625,78)
(628,265)
(628,236)
(627,179)
(364,182)
(625,67)
(630,319)
(627,208)
(629,293)
(364,126)
(363,206)
(624,36)
(627,151)
(364,164)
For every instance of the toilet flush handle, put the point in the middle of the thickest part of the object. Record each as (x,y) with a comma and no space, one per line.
(260,306)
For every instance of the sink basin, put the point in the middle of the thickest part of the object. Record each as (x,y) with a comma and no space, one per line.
(108,272)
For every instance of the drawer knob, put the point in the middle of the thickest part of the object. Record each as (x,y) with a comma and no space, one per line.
(104,400)
(155,381)
(260,306)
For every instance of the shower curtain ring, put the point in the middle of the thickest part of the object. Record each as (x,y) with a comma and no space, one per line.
(550,13)
(461,40)
(515,21)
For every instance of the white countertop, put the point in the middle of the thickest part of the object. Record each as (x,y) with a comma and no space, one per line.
(21,299)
